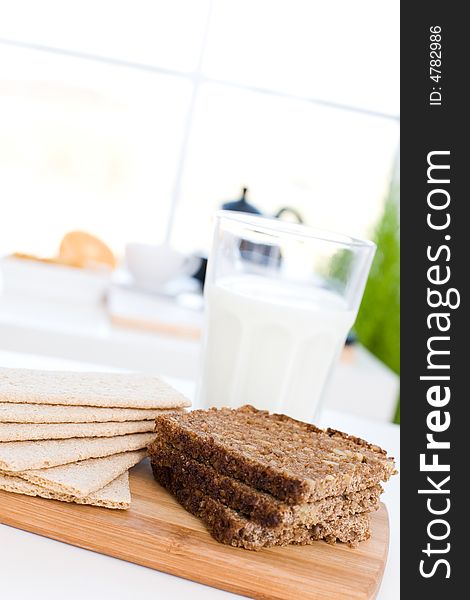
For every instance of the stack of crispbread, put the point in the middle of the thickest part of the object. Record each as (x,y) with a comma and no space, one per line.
(258,479)
(73,436)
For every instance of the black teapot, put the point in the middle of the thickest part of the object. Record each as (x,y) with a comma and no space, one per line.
(242,205)
(255,253)
(259,253)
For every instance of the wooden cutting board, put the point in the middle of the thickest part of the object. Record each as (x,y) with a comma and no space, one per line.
(157,533)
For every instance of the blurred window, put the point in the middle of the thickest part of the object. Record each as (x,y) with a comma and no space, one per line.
(136,120)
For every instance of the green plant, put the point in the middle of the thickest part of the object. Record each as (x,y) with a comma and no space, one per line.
(378,322)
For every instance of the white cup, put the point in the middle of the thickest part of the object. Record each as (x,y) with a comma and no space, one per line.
(153,266)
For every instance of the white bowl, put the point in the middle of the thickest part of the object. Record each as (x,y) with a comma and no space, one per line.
(23,277)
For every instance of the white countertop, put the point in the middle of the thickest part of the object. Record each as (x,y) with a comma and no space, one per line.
(361,385)
(36,567)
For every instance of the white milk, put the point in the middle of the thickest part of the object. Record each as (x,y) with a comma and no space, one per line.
(270,344)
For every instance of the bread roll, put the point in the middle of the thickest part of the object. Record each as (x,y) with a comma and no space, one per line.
(82,249)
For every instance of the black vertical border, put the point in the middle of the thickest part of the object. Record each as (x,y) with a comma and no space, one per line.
(426,128)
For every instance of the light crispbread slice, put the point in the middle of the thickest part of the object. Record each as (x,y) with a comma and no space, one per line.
(42,454)
(117,390)
(85,477)
(115,495)
(55,413)
(19,432)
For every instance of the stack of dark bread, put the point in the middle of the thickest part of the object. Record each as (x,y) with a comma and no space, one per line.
(259,480)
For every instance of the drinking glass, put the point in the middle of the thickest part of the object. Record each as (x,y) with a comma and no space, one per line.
(280,300)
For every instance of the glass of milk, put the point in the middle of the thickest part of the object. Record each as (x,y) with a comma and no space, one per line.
(280,300)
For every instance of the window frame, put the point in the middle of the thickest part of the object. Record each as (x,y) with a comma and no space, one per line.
(197,79)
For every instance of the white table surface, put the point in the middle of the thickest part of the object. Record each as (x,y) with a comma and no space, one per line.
(36,567)
(362,384)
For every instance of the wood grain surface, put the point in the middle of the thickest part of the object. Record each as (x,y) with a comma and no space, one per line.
(174,329)
(157,533)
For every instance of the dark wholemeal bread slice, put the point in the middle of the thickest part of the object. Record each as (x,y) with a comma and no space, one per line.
(294,461)
(230,527)
(259,506)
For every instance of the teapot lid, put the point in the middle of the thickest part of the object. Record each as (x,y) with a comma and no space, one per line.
(241,204)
